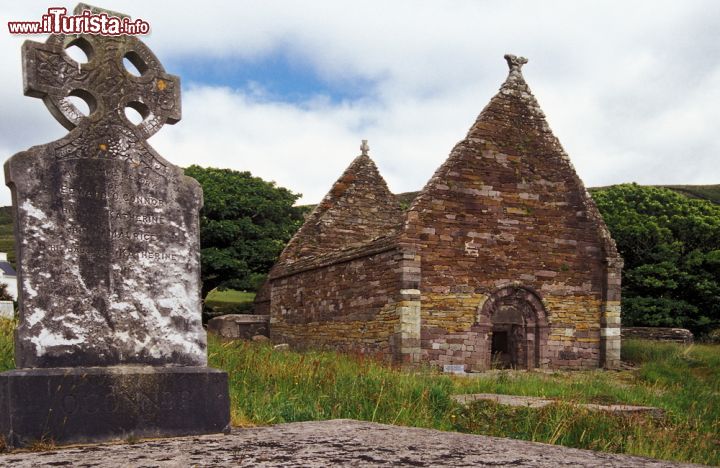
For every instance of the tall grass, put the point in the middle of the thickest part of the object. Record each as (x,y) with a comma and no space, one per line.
(7,345)
(269,386)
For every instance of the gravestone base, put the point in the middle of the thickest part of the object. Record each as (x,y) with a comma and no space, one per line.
(96,404)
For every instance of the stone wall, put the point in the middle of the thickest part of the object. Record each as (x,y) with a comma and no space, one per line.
(677,335)
(352,302)
(261,304)
(239,326)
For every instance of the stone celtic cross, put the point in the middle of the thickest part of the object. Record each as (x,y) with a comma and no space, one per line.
(107,230)
(109,343)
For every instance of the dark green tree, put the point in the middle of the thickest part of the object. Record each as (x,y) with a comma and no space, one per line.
(244,225)
(671,247)
(4,293)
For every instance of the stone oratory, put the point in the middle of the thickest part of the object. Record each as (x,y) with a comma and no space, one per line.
(502,260)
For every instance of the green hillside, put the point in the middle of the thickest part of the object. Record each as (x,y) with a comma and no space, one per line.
(704,192)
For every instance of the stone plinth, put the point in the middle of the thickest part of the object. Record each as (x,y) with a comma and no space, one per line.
(93,404)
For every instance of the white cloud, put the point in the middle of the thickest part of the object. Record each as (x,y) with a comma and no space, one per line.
(631,89)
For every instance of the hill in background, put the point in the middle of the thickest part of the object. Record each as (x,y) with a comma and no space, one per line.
(703,192)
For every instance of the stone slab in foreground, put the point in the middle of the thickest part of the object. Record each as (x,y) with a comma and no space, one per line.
(329,443)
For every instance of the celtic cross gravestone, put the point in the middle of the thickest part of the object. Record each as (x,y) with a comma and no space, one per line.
(109,341)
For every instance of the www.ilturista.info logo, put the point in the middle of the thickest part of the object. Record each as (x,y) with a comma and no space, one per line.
(58,22)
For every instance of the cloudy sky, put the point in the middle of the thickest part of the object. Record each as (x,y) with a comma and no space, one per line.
(287,89)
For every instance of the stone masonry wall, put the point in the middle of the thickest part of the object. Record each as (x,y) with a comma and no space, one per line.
(343,281)
(351,303)
(508,208)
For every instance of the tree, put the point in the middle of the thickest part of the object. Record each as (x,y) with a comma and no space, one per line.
(671,247)
(4,293)
(244,225)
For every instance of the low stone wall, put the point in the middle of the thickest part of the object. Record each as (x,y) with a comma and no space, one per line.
(677,335)
(239,326)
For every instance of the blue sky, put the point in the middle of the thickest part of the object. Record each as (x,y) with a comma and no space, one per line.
(279,74)
(288,89)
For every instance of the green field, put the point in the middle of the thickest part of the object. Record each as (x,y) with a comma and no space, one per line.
(229,301)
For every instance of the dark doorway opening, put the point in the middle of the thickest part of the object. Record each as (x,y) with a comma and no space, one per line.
(500,342)
(516,328)
(501,349)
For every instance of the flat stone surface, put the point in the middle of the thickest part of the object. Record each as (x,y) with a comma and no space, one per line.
(107,230)
(329,443)
(537,402)
(98,404)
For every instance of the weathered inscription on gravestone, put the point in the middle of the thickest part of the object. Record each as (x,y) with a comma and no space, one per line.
(109,250)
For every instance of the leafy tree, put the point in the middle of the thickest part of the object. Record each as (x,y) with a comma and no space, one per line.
(671,247)
(4,293)
(244,225)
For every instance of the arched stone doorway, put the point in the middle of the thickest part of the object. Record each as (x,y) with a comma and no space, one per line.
(515,323)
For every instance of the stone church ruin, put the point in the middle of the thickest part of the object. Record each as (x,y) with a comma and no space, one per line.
(501,260)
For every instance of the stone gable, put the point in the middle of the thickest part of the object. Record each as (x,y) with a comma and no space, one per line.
(358,208)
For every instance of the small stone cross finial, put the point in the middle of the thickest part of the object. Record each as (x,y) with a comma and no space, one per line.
(364,148)
(514,62)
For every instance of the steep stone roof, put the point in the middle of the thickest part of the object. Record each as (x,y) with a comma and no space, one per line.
(358,209)
(508,160)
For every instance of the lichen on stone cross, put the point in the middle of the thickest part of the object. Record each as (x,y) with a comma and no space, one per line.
(364,148)
(514,62)
(106,85)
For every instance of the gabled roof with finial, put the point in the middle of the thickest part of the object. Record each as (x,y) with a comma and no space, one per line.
(510,144)
(358,209)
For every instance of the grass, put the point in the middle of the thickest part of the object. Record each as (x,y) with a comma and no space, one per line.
(269,386)
(7,347)
(229,301)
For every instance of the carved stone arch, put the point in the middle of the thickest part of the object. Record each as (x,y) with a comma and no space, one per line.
(515,322)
